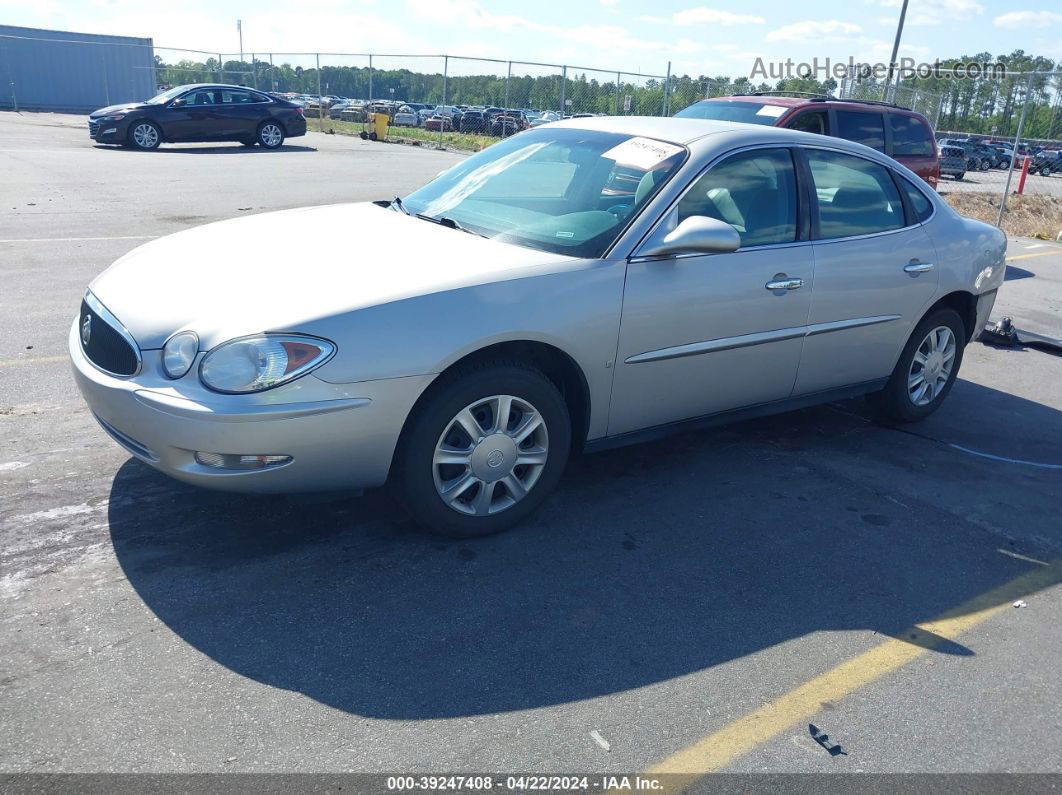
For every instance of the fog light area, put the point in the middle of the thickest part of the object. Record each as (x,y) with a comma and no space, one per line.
(240,462)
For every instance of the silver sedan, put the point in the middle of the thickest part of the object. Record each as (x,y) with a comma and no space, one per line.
(582,285)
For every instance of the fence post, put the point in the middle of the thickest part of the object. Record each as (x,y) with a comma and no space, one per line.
(320,102)
(106,87)
(667,86)
(1013,156)
(508,77)
(618,89)
(370,77)
(221,69)
(564,91)
(272,74)
(254,71)
(442,122)
(14,99)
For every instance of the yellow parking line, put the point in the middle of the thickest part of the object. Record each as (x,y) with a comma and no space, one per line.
(1037,254)
(722,747)
(32,360)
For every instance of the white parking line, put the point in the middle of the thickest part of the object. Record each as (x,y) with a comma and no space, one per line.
(73,239)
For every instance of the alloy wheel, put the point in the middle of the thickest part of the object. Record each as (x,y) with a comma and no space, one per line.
(931,366)
(490,455)
(146,136)
(270,135)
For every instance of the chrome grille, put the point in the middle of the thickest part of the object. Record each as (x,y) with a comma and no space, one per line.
(108,345)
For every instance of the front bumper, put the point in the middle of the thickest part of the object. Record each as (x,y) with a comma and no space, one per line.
(339,436)
(107,132)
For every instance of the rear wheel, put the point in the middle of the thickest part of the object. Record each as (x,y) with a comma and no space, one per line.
(927,368)
(145,135)
(484,450)
(270,135)
(1045,172)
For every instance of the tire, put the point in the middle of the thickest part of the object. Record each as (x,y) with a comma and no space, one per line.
(900,402)
(270,135)
(435,429)
(959,177)
(145,135)
(986,164)
(1045,172)
(373,136)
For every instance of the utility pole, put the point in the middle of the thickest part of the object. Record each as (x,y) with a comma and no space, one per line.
(239,29)
(895,50)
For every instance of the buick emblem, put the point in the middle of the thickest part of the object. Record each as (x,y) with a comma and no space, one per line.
(495,458)
(86,329)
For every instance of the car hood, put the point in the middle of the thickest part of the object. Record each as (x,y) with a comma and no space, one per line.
(116,108)
(275,271)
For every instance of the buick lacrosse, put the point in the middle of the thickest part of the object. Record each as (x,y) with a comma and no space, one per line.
(580,285)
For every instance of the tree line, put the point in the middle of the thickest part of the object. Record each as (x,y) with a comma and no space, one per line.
(981,105)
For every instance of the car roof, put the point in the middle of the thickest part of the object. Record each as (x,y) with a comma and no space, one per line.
(815,101)
(190,86)
(663,128)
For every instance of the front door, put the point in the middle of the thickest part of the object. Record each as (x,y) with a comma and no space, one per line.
(192,118)
(875,274)
(706,333)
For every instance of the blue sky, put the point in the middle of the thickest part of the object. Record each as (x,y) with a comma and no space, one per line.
(708,38)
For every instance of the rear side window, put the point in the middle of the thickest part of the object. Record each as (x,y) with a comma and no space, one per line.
(920,205)
(910,136)
(864,128)
(855,196)
(235,97)
(754,192)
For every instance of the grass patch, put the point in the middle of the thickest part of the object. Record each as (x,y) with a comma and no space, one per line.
(415,136)
(1036,216)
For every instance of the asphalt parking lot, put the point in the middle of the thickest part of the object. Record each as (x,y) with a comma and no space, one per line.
(695,603)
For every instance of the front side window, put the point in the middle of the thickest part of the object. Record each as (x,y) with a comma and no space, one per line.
(855,196)
(754,192)
(863,128)
(567,191)
(201,98)
(910,136)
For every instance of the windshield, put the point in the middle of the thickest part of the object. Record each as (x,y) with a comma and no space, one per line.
(166,96)
(746,112)
(566,191)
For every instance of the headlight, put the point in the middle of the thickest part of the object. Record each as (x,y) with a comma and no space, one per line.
(179,352)
(113,117)
(252,364)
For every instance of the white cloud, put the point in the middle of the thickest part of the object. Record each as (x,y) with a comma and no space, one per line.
(1026,19)
(934,12)
(713,16)
(814,31)
(609,3)
(726,47)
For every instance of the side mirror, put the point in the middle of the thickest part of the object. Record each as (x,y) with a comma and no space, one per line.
(698,234)
(178,102)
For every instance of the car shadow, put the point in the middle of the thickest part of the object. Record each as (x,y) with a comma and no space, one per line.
(651,562)
(219,149)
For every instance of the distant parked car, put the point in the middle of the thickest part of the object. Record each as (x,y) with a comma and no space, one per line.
(953,162)
(202,112)
(909,139)
(545,117)
(474,121)
(1046,163)
(405,118)
(507,123)
(438,124)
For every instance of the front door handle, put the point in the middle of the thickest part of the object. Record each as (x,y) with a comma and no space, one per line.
(918,267)
(784,283)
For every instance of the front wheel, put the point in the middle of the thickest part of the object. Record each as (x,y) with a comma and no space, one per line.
(1045,172)
(927,368)
(484,450)
(270,135)
(145,135)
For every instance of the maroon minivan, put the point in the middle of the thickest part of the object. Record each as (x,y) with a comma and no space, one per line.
(898,132)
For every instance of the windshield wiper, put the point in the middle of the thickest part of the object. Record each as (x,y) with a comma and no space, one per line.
(449,223)
(397,202)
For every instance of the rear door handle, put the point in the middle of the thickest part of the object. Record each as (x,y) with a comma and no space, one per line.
(784,284)
(918,267)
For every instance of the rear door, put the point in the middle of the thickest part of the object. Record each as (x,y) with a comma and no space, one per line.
(238,113)
(875,273)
